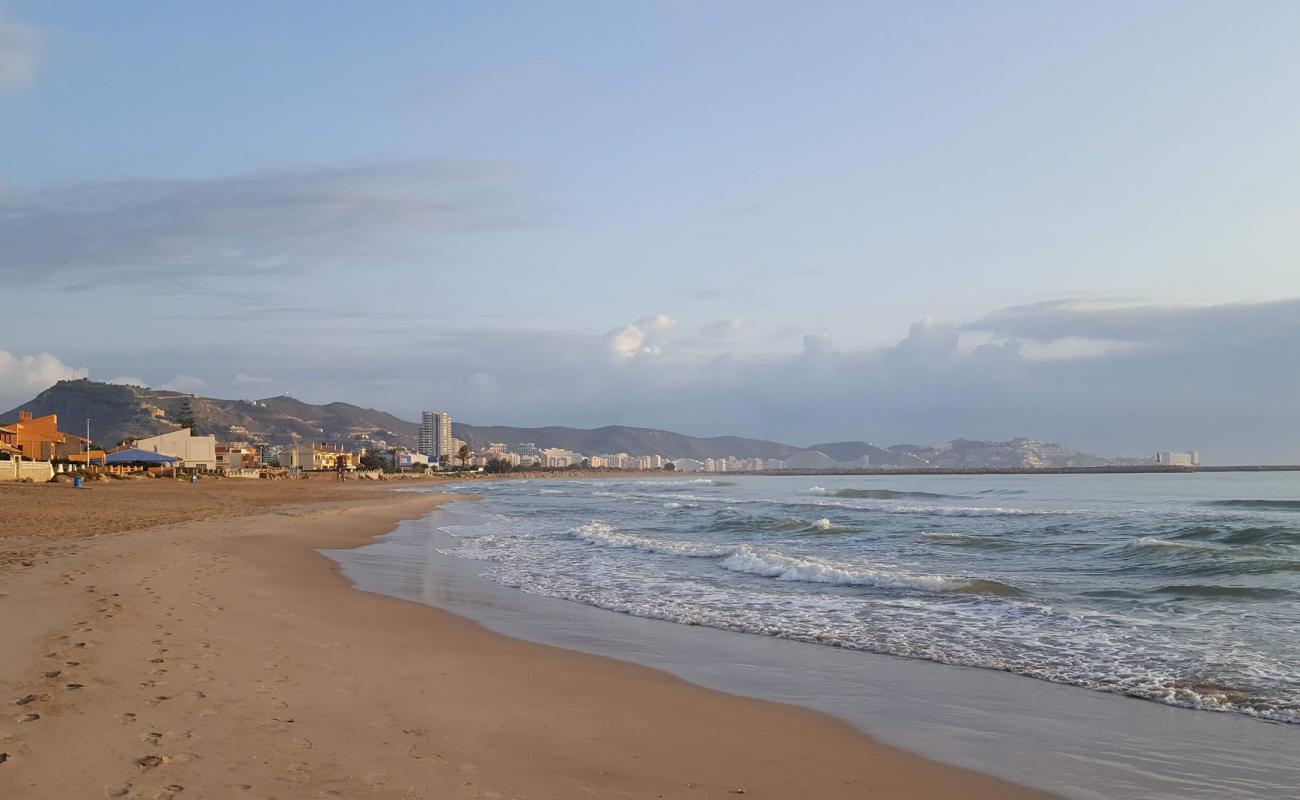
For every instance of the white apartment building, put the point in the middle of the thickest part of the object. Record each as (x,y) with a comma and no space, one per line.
(435,435)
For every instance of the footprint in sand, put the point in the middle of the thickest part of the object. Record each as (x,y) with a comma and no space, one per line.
(125,717)
(28,699)
(27,717)
(153,737)
(151,761)
(121,790)
(54,673)
(72,686)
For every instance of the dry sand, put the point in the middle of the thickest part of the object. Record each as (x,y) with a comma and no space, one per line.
(196,646)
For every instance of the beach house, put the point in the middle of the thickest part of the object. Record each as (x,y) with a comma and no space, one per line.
(194,452)
(232,457)
(318,456)
(13,466)
(38,438)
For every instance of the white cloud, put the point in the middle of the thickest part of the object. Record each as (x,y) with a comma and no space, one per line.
(127,380)
(184,383)
(22,377)
(20,48)
(642,338)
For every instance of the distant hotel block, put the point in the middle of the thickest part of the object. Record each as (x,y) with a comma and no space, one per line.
(1175,458)
(435,435)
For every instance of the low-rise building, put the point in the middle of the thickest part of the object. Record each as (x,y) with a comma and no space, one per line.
(194,452)
(318,456)
(232,457)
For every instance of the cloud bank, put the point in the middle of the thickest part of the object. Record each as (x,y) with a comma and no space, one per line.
(183,234)
(1221,379)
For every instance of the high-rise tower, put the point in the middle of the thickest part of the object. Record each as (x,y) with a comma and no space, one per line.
(435,435)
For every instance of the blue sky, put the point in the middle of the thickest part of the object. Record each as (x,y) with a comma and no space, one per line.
(663,213)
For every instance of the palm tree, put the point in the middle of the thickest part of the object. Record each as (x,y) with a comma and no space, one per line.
(463,452)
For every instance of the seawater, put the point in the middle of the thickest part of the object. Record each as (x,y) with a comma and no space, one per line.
(1181,589)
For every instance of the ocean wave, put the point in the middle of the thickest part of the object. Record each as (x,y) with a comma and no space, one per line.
(1276,534)
(958,539)
(730,519)
(1259,505)
(1152,541)
(887,494)
(871,494)
(822,524)
(605,535)
(774,564)
(1226,592)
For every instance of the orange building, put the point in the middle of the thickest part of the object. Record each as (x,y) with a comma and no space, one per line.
(9,441)
(38,438)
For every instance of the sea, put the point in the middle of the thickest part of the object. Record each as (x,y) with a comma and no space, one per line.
(1163,605)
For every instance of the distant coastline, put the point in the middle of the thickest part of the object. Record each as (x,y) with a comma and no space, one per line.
(1137,470)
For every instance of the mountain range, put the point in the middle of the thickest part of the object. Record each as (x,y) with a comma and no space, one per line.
(119,412)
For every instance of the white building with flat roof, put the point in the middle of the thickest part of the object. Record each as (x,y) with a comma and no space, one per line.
(197,452)
(1179,458)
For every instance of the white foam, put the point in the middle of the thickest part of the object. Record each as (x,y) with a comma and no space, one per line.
(823,524)
(773,564)
(605,535)
(820,491)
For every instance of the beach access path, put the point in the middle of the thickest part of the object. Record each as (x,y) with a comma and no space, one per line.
(166,640)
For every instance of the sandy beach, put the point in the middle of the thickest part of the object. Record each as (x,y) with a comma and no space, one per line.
(167,640)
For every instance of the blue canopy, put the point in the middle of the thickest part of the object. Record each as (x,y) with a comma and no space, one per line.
(135,454)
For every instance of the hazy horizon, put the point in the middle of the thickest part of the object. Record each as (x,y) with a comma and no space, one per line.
(887,222)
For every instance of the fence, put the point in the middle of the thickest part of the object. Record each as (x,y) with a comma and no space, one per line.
(17,470)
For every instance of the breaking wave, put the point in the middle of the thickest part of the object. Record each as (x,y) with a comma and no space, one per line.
(604,535)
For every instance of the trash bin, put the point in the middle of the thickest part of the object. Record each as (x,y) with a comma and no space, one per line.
(76,481)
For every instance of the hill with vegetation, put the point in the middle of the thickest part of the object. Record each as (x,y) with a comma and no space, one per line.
(117,412)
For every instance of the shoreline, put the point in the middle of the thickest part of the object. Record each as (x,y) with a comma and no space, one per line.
(1074,741)
(219,658)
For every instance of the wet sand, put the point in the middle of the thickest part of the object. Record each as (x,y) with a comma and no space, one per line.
(216,654)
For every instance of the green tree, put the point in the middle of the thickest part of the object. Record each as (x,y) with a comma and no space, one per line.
(463,453)
(186,416)
(373,460)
